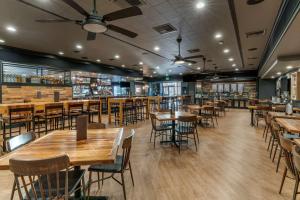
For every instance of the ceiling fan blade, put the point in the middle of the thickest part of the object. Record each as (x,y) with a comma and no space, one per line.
(91,36)
(124,13)
(52,20)
(42,9)
(122,31)
(76,7)
(190,61)
(191,57)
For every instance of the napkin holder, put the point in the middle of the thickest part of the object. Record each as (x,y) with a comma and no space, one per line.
(81,127)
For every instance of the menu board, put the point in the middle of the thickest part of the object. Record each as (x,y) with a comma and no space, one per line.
(233,87)
(226,87)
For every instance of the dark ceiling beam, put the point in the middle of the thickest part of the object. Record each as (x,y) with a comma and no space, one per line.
(286,15)
(23,56)
(236,29)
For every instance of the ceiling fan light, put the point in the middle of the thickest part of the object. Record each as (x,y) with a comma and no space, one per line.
(94,26)
(179,62)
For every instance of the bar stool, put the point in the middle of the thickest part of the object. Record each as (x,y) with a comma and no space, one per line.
(139,109)
(74,110)
(19,116)
(54,114)
(94,108)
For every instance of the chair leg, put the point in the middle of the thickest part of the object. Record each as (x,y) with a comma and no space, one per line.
(13,191)
(195,141)
(123,185)
(151,134)
(90,183)
(276,147)
(131,173)
(279,158)
(283,179)
(296,186)
(98,176)
(154,138)
(272,146)
(270,140)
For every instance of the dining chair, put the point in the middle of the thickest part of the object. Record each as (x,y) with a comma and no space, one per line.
(275,133)
(208,115)
(93,108)
(19,116)
(287,147)
(158,130)
(267,126)
(75,109)
(48,178)
(96,126)
(296,159)
(54,115)
(122,163)
(187,126)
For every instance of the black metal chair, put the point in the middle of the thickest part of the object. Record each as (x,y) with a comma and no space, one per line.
(187,126)
(75,109)
(121,164)
(54,116)
(93,108)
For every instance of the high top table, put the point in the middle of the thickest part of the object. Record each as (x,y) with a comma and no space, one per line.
(100,147)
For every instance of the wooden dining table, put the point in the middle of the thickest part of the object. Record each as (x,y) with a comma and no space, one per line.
(275,115)
(290,125)
(100,147)
(167,116)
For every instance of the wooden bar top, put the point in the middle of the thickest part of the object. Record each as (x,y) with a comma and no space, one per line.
(100,147)
(291,125)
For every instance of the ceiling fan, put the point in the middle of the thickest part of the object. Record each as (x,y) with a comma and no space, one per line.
(93,22)
(214,75)
(181,60)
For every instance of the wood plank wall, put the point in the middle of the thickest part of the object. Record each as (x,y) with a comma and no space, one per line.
(20,94)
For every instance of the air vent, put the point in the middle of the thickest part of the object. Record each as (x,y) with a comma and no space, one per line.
(193,50)
(76,51)
(84,57)
(111,59)
(165,28)
(255,33)
(251,64)
(253,2)
(136,2)
(252,49)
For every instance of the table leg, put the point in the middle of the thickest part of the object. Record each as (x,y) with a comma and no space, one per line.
(109,112)
(147,109)
(252,117)
(121,114)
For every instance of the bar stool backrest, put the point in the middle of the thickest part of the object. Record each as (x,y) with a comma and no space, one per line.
(54,109)
(20,112)
(19,141)
(35,178)
(93,105)
(296,157)
(75,106)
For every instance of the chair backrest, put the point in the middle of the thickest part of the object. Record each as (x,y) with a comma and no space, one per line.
(287,147)
(127,143)
(19,112)
(75,106)
(93,104)
(1,151)
(187,124)
(296,157)
(54,109)
(153,120)
(275,129)
(19,141)
(41,177)
(96,126)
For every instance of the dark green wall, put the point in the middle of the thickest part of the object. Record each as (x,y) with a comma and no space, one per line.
(266,88)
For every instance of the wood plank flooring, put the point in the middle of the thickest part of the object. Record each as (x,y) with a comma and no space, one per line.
(231,164)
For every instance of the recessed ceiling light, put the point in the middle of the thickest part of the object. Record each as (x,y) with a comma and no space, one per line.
(226,50)
(141,63)
(2,41)
(117,56)
(167,74)
(231,59)
(218,35)
(278,73)
(200,5)
(11,29)
(122,65)
(190,64)
(198,68)
(78,46)
(61,53)
(236,69)
(157,67)
(221,42)
(233,65)
(98,60)
(272,77)
(151,76)
(180,74)
(154,72)
(170,70)
(141,69)
(156,48)
(289,67)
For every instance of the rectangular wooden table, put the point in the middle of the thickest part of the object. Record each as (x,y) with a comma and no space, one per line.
(275,115)
(100,147)
(290,125)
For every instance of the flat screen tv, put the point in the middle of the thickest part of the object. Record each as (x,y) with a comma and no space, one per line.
(124,84)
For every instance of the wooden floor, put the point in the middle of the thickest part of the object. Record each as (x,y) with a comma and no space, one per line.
(231,164)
